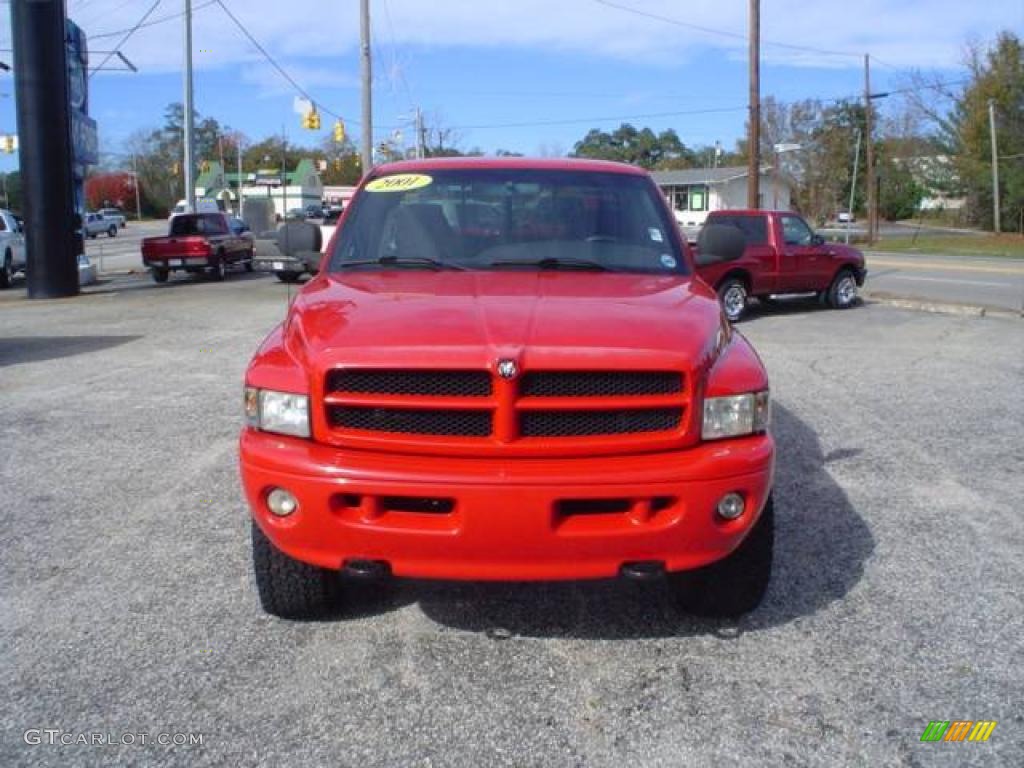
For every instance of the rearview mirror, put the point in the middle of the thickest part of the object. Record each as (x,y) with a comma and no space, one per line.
(717,243)
(817,240)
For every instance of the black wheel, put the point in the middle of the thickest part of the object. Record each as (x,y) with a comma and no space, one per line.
(248,261)
(289,277)
(7,271)
(92,235)
(219,270)
(735,585)
(112,231)
(842,294)
(289,588)
(160,275)
(732,294)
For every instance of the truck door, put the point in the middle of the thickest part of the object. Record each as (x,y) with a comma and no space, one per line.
(803,257)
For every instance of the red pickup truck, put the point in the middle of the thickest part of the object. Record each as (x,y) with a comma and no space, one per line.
(550,396)
(783,255)
(198,242)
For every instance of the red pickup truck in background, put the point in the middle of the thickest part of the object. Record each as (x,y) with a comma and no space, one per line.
(199,242)
(783,255)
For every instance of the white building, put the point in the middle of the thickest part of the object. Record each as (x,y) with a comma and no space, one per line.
(287,191)
(694,192)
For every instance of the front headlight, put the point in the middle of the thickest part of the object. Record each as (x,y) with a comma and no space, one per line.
(282,412)
(736,415)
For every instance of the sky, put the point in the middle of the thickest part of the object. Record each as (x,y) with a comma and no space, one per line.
(531,76)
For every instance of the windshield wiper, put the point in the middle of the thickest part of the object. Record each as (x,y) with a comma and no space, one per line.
(402,261)
(553,263)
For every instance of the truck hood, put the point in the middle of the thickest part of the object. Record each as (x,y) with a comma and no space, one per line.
(845,252)
(471,319)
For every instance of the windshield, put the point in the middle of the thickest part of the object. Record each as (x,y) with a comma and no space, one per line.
(510,219)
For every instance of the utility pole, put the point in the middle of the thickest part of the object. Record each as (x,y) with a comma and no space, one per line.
(45,154)
(367,76)
(421,144)
(995,166)
(189,127)
(869,154)
(754,130)
(135,183)
(241,197)
(853,187)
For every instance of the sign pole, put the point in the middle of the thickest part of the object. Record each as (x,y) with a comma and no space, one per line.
(44,127)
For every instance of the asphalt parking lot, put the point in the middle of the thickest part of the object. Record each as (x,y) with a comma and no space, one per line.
(128,605)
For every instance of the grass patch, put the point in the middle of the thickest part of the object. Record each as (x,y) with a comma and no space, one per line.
(1007,246)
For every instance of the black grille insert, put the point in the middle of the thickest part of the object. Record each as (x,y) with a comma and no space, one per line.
(582,423)
(600,383)
(411,382)
(426,421)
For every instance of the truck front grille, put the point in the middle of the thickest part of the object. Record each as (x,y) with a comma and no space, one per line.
(426,421)
(580,423)
(476,412)
(405,382)
(600,383)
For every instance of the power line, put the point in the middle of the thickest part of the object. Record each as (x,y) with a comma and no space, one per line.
(302,91)
(572,121)
(117,48)
(153,23)
(723,32)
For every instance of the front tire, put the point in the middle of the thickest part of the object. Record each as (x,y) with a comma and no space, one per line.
(248,260)
(842,294)
(732,295)
(736,584)
(112,232)
(290,588)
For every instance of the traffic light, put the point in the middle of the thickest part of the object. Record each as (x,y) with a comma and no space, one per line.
(176,169)
(8,144)
(337,163)
(311,120)
(339,131)
(205,166)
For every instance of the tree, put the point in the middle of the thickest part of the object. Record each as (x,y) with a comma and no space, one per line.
(12,191)
(996,74)
(159,156)
(960,132)
(110,190)
(642,147)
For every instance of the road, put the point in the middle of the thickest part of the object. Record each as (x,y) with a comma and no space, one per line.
(128,604)
(123,253)
(996,283)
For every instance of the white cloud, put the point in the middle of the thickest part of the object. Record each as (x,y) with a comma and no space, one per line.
(909,33)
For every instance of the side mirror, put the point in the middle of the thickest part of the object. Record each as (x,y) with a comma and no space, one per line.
(817,240)
(717,243)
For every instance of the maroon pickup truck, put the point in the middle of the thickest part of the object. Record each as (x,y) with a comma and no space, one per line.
(783,255)
(199,242)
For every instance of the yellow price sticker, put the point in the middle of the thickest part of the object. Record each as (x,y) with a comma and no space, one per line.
(400,182)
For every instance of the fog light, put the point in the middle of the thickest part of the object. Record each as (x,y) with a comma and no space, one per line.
(731,506)
(281,502)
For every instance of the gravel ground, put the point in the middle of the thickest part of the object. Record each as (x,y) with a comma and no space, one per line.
(128,606)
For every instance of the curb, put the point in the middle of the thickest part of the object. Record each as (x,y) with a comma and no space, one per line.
(940,307)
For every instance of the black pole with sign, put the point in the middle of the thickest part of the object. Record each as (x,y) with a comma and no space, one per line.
(44,137)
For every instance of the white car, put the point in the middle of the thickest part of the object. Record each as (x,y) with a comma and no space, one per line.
(96,224)
(114,215)
(12,247)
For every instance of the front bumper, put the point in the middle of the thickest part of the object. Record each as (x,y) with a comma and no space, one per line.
(509,520)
